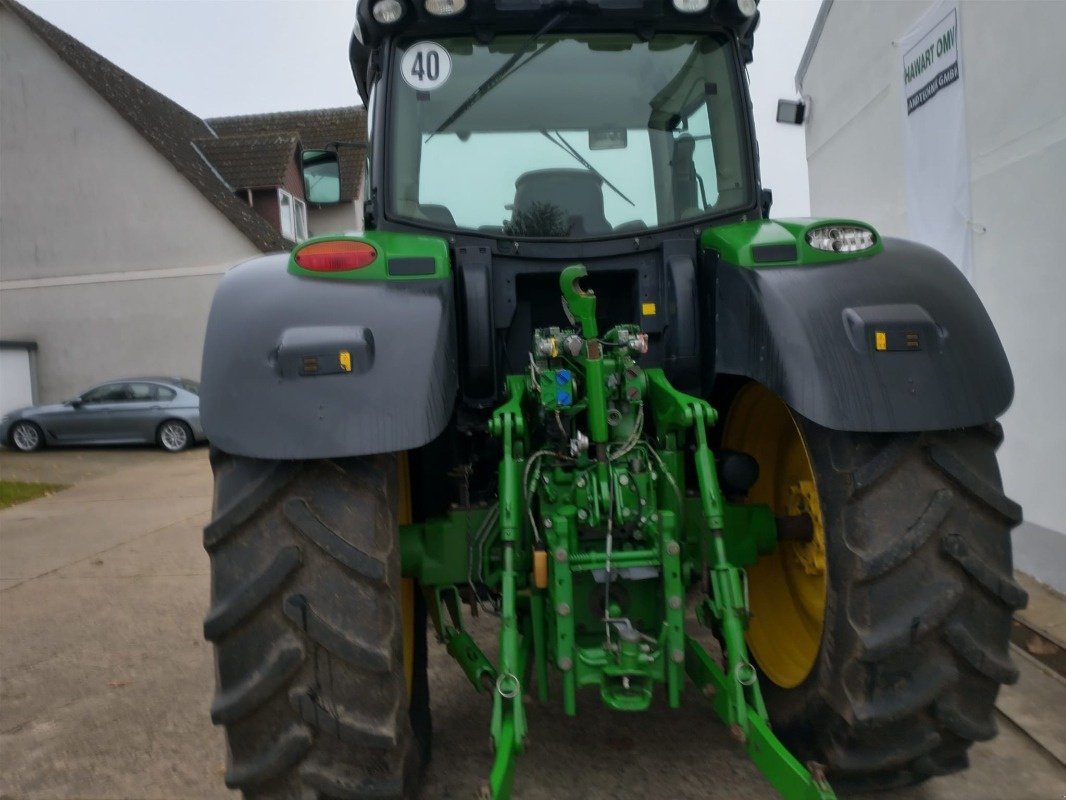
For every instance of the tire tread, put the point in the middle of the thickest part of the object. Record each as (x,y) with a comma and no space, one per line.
(305,619)
(952,466)
(231,611)
(918,618)
(281,755)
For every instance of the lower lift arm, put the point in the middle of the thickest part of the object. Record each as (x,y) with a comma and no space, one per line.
(508,714)
(738,699)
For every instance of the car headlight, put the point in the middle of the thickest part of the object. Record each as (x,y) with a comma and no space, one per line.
(841,238)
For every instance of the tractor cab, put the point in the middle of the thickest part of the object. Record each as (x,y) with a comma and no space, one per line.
(532,134)
(636,124)
(570,375)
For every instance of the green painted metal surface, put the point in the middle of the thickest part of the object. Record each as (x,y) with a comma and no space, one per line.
(438,551)
(734,242)
(793,780)
(595,486)
(389,245)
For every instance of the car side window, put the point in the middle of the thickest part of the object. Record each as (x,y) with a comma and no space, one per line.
(163,393)
(109,393)
(142,392)
(94,395)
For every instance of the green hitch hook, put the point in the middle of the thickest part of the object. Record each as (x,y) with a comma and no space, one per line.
(581,306)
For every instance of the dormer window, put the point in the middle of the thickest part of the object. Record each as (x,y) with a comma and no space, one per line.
(293,215)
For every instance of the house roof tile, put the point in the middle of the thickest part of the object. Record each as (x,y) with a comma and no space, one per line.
(169,128)
(254,161)
(344,127)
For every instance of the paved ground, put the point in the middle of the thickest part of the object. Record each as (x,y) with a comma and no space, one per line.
(105,680)
(71,465)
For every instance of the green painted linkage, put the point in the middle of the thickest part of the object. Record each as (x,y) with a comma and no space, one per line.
(509,725)
(582,306)
(457,641)
(739,700)
(785,773)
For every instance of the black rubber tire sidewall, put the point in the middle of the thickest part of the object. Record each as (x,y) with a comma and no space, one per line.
(880,709)
(306,573)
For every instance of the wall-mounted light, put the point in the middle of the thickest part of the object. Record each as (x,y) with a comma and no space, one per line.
(791,112)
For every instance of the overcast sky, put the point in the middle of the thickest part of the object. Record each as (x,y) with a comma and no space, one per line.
(226,57)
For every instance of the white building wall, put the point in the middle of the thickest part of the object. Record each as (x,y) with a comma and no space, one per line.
(341,218)
(118,327)
(1014,75)
(83,197)
(854,142)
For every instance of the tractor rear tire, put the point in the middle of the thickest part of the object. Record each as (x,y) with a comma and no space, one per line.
(918,606)
(309,634)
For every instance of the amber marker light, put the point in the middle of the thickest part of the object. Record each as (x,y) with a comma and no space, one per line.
(336,255)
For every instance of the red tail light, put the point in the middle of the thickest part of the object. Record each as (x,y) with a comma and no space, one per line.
(338,255)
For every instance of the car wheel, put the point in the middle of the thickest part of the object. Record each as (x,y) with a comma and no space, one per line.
(27,436)
(174,436)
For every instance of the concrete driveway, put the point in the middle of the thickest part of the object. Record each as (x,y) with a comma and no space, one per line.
(105,679)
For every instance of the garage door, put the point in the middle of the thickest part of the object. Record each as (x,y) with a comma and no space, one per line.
(16,378)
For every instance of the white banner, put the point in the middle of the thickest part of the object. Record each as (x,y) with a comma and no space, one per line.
(935,151)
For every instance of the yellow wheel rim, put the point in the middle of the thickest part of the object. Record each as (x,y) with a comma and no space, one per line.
(407,585)
(787,587)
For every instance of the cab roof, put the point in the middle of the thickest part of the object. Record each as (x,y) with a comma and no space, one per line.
(485,19)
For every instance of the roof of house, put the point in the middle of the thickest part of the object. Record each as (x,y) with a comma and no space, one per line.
(255,161)
(343,127)
(169,128)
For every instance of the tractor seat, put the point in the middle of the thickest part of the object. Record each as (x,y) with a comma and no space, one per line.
(578,193)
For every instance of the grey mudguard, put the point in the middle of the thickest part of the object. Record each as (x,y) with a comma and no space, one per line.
(809,333)
(272,384)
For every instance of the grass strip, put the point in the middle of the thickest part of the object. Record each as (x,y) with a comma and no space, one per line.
(15,492)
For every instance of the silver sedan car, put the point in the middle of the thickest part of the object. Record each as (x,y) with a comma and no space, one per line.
(162,411)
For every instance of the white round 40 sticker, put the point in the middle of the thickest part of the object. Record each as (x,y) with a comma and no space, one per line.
(426,66)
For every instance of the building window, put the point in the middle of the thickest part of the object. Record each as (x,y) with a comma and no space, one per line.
(300,218)
(293,212)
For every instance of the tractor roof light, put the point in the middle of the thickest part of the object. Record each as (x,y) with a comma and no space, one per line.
(445,8)
(747,8)
(691,6)
(841,238)
(387,12)
(335,255)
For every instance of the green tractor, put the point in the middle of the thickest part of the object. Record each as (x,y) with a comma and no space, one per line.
(573,376)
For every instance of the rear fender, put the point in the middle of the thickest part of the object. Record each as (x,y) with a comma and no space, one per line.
(811,333)
(299,367)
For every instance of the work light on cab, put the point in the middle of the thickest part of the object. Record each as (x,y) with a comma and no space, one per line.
(747,8)
(335,255)
(445,8)
(841,238)
(691,6)
(388,11)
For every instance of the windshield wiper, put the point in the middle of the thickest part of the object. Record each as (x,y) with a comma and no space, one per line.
(509,67)
(569,148)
